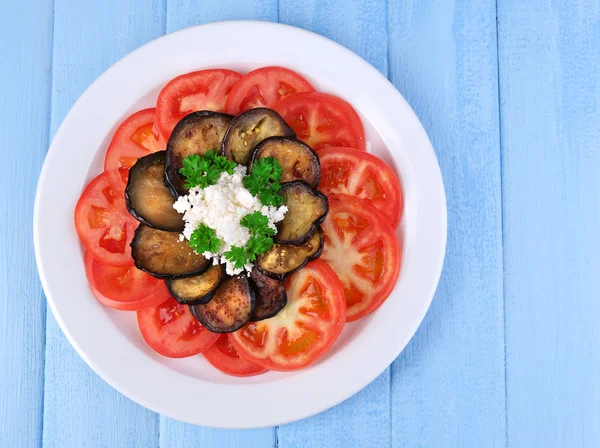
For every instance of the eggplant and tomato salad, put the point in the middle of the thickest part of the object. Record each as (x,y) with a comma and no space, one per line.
(242,218)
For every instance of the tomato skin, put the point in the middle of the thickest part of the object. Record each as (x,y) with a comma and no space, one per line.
(362,175)
(136,137)
(171,330)
(322,121)
(225,358)
(353,230)
(201,90)
(304,330)
(102,221)
(264,87)
(124,288)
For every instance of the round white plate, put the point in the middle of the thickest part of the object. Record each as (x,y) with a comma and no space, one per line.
(109,340)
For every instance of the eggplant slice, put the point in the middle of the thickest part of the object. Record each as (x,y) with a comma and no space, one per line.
(249,129)
(198,289)
(230,307)
(298,161)
(271,297)
(197,133)
(307,208)
(147,198)
(283,259)
(162,255)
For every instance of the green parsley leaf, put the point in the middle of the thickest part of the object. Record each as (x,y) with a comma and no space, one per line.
(256,245)
(204,239)
(237,255)
(202,171)
(257,223)
(264,180)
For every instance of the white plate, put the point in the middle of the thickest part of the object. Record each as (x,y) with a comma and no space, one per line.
(109,340)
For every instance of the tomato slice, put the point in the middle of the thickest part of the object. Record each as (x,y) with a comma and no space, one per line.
(224,357)
(103,224)
(136,137)
(202,90)
(264,87)
(304,330)
(171,330)
(124,288)
(322,121)
(363,250)
(363,175)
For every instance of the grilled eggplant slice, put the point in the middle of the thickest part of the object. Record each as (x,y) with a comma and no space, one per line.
(198,289)
(298,161)
(162,255)
(249,129)
(197,133)
(283,259)
(271,297)
(147,197)
(230,307)
(307,208)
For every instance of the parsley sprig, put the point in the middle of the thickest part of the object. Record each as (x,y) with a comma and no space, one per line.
(202,171)
(261,240)
(264,180)
(204,239)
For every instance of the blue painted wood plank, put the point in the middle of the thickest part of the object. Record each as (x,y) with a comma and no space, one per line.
(80,409)
(26,49)
(550,115)
(182,14)
(363,420)
(448,385)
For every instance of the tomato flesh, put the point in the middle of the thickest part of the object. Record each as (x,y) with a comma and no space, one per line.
(224,357)
(364,252)
(103,223)
(362,175)
(322,121)
(264,87)
(136,137)
(171,330)
(304,330)
(201,90)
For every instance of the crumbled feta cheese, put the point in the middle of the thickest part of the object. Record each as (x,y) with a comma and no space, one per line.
(221,207)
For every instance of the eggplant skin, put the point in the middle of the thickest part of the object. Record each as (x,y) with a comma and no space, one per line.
(198,289)
(196,133)
(307,208)
(283,260)
(162,255)
(297,159)
(230,307)
(250,128)
(147,198)
(271,296)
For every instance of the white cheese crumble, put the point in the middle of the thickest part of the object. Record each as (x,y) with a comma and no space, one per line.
(221,207)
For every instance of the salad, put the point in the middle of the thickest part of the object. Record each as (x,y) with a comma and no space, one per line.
(242,219)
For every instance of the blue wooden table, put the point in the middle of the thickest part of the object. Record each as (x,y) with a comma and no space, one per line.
(509,93)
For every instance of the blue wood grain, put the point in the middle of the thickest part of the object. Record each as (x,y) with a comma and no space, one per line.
(363,420)
(80,409)
(550,115)
(448,385)
(26,49)
(182,14)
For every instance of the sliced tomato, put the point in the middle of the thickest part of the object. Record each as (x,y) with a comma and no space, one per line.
(363,175)
(171,330)
(363,250)
(124,288)
(202,90)
(103,224)
(136,137)
(322,121)
(304,330)
(264,87)
(224,357)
